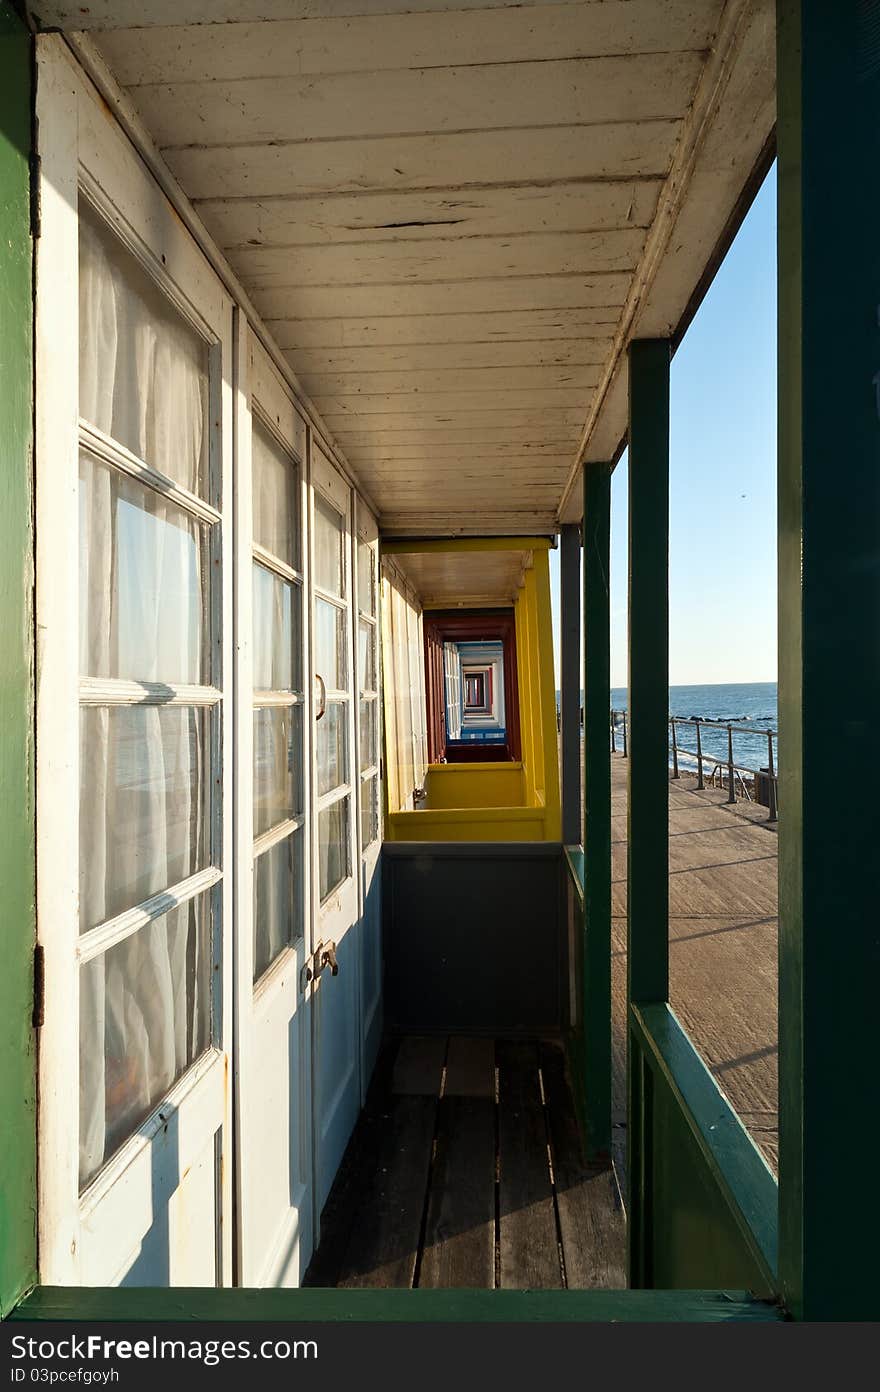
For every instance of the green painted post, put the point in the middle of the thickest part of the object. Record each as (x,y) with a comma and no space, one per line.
(597,811)
(828,62)
(648,799)
(17,866)
(648,782)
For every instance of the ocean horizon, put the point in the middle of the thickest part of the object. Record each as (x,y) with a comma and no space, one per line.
(748,706)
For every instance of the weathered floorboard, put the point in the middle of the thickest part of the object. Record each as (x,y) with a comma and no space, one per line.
(459,1246)
(418,1068)
(527,1230)
(384,1243)
(590,1214)
(470,1067)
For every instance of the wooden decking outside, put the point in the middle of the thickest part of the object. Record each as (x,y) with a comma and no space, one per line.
(465,1170)
(722,947)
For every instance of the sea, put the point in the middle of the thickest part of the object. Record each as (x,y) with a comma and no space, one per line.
(749,707)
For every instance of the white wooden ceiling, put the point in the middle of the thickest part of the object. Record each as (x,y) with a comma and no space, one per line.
(452,216)
(467,578)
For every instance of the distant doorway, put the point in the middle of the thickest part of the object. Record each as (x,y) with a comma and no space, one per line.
(471,687)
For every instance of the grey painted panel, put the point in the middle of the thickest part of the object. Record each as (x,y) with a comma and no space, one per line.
(474,938)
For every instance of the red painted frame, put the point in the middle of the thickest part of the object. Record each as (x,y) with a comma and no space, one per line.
(472,626)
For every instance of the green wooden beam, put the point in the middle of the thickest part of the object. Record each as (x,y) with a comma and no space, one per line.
(648,788)
(828,63)
(597,810)
(648,781)
(395,1306)
(17,864)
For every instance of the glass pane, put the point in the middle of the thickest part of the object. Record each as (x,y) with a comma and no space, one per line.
(143,811)
(369,714)
(278,890)
(329,562)
(276,497)
(143,581)
(366,579)
(277,641)
(277,766)
(330,748)
(366,656)
(143,371)
(144,1017)
(333,849)
(369,811)
(330,645)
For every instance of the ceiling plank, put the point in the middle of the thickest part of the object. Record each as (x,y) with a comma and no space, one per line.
(451,214)
(471,380)
(443,297)
(133,14)
(505,326)
(337,408)
(458,159)
(580,91)
(472,258)
(375,42)
(431,357)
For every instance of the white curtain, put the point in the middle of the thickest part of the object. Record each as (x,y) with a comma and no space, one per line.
(144,1011)
(275,480)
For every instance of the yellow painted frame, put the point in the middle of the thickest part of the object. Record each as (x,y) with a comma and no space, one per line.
(534,812)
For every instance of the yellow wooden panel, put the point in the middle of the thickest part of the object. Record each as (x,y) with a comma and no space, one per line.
(474,785)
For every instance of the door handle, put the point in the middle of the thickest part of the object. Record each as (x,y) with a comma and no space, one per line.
(328,959)
(322,709)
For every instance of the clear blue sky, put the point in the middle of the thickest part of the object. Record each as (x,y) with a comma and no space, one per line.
(722,561)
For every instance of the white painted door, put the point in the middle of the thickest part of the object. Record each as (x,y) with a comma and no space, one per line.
(336,960)
(369,744)
(134,615)
(273,1034)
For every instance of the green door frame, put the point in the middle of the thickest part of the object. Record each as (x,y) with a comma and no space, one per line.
(829,140)
(828,135)
(18,1161)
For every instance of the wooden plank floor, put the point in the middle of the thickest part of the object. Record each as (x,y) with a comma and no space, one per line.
(722,947)
(466,1170)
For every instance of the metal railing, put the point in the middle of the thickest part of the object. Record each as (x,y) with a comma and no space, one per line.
(759,785)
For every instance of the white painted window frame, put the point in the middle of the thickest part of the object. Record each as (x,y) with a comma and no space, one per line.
(84,155)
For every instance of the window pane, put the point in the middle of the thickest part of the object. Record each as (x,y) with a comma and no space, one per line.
(369,714)
(276,497)
(143,371)
(277,766)
(278,889)
(369,811)
(143,581)
(277,643)
(145,1016)
(366,579)
(143,813)
(330,748)
(333,847)
(329,531)
(366,656)
(330,645)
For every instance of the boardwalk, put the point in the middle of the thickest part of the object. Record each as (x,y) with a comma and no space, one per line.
(722,949)
(466,1170)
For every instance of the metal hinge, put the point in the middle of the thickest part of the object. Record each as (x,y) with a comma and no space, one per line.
(39,986)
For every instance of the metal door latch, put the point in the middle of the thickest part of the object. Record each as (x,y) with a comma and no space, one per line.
(324,956)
